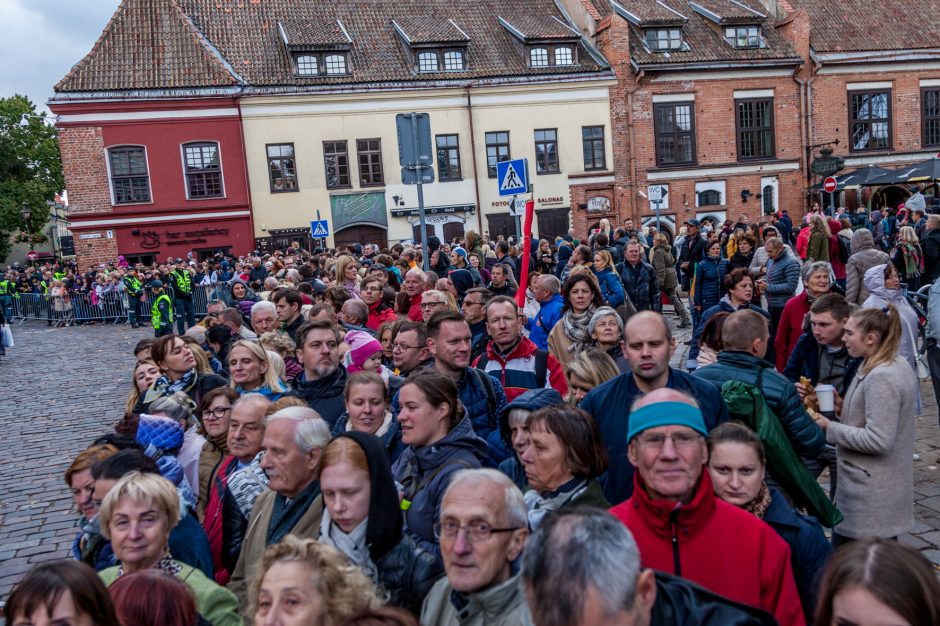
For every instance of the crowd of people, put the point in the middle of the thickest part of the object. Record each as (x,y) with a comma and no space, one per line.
(346,438)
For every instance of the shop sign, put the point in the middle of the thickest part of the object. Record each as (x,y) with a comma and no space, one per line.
(90,236)
(151,239)
(551,201)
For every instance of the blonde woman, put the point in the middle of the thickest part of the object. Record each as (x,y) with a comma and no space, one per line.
(252,371)
(311,582)
(818,247)
(586,371)
(874,436)
(908,258)
(347,274)
(61,302)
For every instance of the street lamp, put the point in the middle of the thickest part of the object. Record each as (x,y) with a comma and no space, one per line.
(25,214)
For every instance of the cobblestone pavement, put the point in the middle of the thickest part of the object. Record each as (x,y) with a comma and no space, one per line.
(61,387)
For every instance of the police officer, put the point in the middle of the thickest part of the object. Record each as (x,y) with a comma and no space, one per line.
(161,311)
(7,291)
(182,282)
(134,291)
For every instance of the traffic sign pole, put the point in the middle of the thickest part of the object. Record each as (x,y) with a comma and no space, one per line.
(426,256)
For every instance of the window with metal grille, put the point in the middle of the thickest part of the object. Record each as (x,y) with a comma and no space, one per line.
(709,197)
(335,64)
(453,61)
(674,127)
(307,65)
(336,164)
(661,39)
(130,182)
(592,140)
(755,126)
(546,151)
(203,170)
(282,168)
(497,149)
(930,116)
(538,57)
(448,157)
(869,120)
(744,36)
(427,62)
(370,162)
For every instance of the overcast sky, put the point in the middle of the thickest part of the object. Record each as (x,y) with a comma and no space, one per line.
(40,41)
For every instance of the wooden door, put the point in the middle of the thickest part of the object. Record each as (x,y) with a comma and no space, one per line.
(501,224)
(361,235)
(453,229)
(552,223)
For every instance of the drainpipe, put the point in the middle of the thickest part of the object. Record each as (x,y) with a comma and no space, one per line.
(241,134)
(473,162)
(631,132)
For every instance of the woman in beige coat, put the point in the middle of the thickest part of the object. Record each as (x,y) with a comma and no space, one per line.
(874,438)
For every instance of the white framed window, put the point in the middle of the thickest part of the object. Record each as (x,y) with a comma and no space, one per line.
(538,57)
(307,65)
(744,36)
(335,64)
(202,166)
(711,193)
(564,55)
(427,62)
(453,61)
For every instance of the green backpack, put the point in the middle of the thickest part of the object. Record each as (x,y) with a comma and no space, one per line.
(746,403)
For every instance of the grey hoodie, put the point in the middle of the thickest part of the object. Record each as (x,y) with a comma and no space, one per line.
(864,257)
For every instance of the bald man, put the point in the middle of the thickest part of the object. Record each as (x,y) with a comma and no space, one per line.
(682,528)
(648,345)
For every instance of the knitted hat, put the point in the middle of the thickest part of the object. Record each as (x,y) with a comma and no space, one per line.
(362,345)
(665,414)
(462,280)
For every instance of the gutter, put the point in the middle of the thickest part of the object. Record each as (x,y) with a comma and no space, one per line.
(708,65)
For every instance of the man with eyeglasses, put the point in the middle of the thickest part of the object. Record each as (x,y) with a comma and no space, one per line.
(648,345)
(410,349)
(474,302)
(432,301)
(682,528)
(482,531)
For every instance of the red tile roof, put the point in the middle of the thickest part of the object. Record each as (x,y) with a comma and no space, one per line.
(148,44)
(849,25)
(167,44)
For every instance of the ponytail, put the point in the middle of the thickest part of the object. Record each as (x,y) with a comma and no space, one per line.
(886,324)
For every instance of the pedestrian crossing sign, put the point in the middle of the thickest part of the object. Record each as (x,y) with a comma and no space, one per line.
(512,177)
(319,229)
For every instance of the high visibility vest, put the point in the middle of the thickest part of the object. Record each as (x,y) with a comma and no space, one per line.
(6,288)
(183,281)
(155,317)
(133,285)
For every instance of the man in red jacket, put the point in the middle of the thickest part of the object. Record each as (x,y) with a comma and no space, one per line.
(416,283)
(683,529)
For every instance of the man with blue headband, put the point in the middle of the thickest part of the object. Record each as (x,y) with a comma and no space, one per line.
(682,528)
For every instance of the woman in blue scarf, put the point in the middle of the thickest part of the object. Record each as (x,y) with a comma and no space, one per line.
(252,371)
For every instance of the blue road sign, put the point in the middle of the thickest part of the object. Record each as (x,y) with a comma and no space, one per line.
(512,177)
(319,228)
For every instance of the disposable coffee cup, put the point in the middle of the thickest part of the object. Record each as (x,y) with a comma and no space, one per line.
(825,394)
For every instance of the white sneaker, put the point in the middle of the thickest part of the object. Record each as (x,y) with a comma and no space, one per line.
(916,457)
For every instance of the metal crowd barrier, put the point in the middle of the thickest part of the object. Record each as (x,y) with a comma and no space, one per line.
(82,308)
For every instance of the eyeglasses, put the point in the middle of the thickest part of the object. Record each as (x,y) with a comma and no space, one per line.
(400,347)
(430,305)
(679,440)
(217,413)
(476,532)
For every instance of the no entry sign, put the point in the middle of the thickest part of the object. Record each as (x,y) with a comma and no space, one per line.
(830,184)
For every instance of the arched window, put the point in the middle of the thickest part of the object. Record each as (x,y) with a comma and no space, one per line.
(767,199)
(538,57)
(335,64)
(307,65)
(427,62)
(564,56)
(709,197)
(453,61)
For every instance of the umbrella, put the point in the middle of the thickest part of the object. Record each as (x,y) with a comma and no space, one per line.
(858,177)
(924,171)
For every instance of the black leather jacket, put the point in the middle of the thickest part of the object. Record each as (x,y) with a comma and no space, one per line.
(234,528)
(407,572)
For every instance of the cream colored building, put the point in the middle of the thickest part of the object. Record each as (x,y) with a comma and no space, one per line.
(315,124)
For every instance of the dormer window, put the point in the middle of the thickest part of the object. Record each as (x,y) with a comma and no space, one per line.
(321,64)
(744,36)
(551,56)
(663,39)
(436,60)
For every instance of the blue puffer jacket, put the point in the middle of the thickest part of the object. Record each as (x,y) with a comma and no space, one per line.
(710,281)
(543,322)
(810,551)
(640,285)
(807,438)
(426,471)
(476,404)
(782,279)
(391,438)
(611,287)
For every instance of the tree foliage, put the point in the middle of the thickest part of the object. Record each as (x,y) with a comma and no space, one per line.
(30,168)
